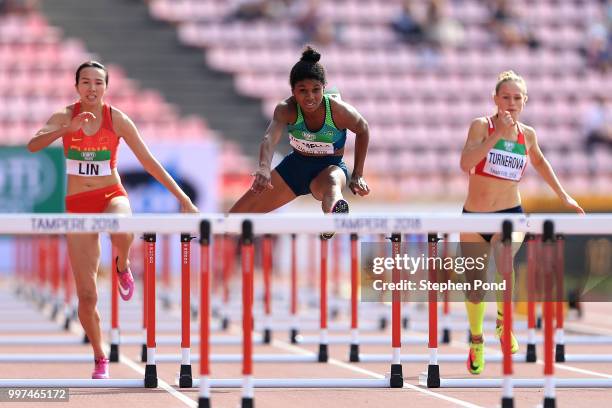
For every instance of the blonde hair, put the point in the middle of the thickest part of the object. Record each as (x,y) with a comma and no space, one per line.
(510,76)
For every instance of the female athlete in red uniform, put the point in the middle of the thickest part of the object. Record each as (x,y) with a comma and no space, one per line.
(495,155)
(91,131)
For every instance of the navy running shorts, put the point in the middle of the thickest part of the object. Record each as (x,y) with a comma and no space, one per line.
(298,170)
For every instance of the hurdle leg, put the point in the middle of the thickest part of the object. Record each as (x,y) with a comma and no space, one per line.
(145,303)
(150,379)
(549,258)
(267,277)
(531,356)
(204,397)
(433,369)
(559,272)
(247,314)
(323,340)
(294,292)
(185,377)
(354,347)
(506,271)
(446,332)
(114,335)
(397,377)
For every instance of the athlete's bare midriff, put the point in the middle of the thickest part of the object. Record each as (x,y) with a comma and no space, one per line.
(81,184)
(488,194)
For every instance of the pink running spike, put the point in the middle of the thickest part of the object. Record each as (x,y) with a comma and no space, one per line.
(100,371)
(126,283)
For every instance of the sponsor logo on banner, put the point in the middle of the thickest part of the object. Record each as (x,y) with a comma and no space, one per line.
(31,182)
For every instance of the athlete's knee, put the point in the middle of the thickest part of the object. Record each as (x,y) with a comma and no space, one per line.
(88,298)
(122,239)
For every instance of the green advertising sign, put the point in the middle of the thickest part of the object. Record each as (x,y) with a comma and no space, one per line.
(32,182)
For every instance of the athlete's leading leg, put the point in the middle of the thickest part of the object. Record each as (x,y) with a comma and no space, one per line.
(267,200)
(122,243)
(327,187)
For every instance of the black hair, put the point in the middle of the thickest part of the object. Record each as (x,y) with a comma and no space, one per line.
(308,67)
(91,64)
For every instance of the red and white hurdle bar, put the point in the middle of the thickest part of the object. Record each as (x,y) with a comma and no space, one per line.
(62,224)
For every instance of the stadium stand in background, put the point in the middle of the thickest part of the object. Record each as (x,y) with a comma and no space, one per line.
(419,96)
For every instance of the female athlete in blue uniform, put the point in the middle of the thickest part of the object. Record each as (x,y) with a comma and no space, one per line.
(317,124)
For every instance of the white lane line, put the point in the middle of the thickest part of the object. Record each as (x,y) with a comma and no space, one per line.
(140,370)
(563,366)
(160,383)
(289,347)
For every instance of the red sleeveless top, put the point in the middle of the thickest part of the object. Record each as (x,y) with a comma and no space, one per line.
(94,155)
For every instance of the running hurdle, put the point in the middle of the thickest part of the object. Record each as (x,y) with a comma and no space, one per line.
(552,261)
(506,382)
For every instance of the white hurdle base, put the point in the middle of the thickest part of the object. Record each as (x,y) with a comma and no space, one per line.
(299,383)
(518,382)
(46,358)
(425,358)
(237,358)
(73,383)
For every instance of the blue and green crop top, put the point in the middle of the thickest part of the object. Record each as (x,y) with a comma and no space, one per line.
(325,141)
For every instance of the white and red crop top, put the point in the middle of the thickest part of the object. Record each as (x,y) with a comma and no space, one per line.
(507,160)
(94,155)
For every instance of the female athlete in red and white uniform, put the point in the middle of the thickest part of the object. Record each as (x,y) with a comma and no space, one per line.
(91,131)
(496,154)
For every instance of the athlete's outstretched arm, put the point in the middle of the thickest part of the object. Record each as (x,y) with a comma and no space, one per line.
(125,128)
(347,117)
(546,171)
(58,124)
(273,134)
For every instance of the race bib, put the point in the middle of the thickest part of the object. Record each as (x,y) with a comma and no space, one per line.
(311,147)
(504,164)
(90,164)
